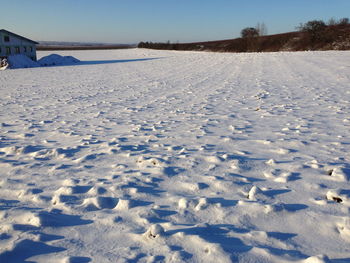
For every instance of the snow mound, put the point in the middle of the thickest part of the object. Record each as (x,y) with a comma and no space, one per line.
(154,231)
(55,59)
(21,61)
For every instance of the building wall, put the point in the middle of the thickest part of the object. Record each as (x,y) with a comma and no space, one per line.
(16,45)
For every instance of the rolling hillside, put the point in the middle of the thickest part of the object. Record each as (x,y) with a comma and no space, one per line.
(333,38)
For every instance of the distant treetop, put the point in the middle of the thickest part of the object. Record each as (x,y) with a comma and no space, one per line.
(249,32)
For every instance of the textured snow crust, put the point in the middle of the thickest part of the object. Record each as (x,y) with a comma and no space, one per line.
(163,156)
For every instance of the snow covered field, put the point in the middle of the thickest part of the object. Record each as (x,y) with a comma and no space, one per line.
(161,156)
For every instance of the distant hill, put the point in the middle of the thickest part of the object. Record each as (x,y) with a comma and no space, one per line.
(336,37)
(56,45)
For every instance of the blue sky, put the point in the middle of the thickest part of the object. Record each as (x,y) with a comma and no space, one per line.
(131,21)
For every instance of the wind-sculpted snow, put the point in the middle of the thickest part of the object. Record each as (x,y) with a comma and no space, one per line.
(159,156)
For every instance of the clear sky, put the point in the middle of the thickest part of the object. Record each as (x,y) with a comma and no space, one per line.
(131,21)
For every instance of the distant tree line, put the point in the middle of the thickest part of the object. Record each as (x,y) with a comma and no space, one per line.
(159,45)
(312,35)
(318,32)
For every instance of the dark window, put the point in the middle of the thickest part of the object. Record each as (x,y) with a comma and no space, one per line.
(31,49)
(25,49)
(17,50)
(6,39)
(8,51)
(0,49)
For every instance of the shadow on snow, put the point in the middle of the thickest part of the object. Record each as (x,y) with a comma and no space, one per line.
(98,62)
(101,62)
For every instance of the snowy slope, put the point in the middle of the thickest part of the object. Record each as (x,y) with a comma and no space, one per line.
(159,156)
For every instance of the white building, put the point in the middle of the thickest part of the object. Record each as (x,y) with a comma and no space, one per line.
(12,44)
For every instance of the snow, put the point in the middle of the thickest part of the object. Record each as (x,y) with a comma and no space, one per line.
(57,60)
(22,61)
(164,156)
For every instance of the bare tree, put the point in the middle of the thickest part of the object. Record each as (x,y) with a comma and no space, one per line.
(262,29)
(316,30)
(332,22)
(344,21)
(314,26)
(250,38)
(249,32)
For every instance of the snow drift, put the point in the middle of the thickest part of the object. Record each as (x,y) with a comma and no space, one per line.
(22,61)
(57,60)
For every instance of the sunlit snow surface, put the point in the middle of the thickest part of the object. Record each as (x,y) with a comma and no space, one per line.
(161,156)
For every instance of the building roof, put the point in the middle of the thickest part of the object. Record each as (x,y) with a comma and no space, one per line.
(13,34)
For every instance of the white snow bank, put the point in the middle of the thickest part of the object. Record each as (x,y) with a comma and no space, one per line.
(22,61)
(54,60)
